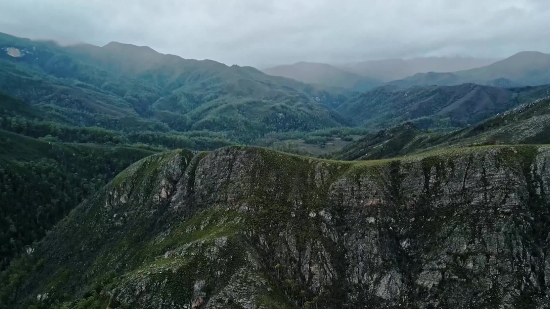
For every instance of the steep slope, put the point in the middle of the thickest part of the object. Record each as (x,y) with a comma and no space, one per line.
(388,143)
(393,69)
(252,228)
(434,106)
(521,69)
(526,124)
(325,74)
(43,180)
(93,85)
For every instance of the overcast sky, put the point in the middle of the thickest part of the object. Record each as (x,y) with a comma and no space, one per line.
(266,32)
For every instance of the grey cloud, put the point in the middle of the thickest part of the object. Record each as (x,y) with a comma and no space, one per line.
(252,32)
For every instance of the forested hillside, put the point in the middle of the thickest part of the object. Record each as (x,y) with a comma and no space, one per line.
(160,155)
(87,85)
(42,181)
(97,209)
(526,124)
(435,107)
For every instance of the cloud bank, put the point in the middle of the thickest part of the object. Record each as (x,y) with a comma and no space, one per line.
(262,33)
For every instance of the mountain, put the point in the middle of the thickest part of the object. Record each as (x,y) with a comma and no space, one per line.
(325,74)
(71,118)
(247,227)
(393,69)
(521,69)
(97,209)
(526,124)
(88,85)
(434,106)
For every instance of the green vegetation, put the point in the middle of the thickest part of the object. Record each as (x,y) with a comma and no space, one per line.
(130,89)
(239,225)
(183,224)
(526,124)
(435,107)
(42,181)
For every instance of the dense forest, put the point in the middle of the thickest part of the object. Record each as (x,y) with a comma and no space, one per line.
(43,180)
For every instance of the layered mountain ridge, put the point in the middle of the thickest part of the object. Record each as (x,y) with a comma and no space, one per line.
(525,124)
(87,85)
(325,74)
(389,70)
(451,106)
(528,68)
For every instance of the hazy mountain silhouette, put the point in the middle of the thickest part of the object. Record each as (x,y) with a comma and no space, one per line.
(522,69)
(325,74)
(392,69)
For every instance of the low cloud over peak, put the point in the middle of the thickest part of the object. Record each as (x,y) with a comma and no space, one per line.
(263,33)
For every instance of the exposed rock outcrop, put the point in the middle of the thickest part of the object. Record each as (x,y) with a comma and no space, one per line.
(252,228)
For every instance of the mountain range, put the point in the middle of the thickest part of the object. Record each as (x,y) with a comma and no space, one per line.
(324,74)
(363,76)
(435,106)
(521,69)
(393,69)
(526,124)
(124,183)
(88,85)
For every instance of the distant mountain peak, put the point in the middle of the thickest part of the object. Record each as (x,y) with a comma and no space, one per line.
(116,46)
(392,69)
(325,74)
(527,56)
(529,53)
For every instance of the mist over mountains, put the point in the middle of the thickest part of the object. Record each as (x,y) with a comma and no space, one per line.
(392,69)
(132,178)
(521,69)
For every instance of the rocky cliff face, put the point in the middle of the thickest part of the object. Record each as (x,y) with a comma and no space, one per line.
(253,228)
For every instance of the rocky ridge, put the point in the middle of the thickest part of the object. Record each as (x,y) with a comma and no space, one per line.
(245,227)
